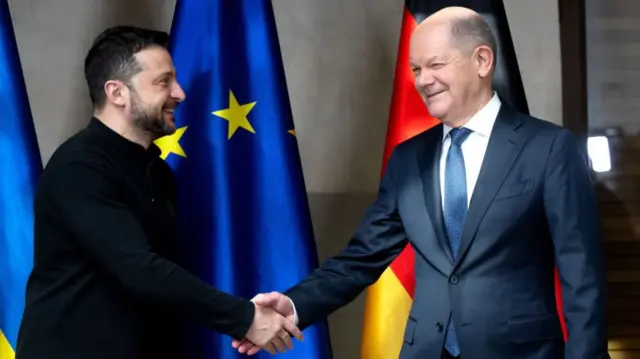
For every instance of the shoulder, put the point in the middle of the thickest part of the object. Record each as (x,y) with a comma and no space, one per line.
(418,144)
(540,126)
(79,158)
(84,146)
(548,144)
(548,135)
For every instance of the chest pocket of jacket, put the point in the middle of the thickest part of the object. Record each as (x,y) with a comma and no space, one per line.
(515,189)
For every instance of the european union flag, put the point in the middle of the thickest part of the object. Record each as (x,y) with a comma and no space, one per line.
(244,215)
(20,167)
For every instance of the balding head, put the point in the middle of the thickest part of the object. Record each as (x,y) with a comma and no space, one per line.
(452,54)
(473,31)
(467,28)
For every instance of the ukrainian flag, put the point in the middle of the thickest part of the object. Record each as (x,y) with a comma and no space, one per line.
(20,165)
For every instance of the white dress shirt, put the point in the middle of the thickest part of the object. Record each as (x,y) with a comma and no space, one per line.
(474,147)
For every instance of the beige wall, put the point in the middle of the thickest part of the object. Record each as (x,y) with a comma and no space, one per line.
(612,64)
(339,59)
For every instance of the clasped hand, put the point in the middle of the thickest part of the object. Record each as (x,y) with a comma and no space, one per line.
(273,325)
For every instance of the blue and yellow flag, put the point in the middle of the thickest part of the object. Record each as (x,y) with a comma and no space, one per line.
(245,222)
(20,165)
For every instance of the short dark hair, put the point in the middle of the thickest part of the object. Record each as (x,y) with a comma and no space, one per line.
(111,57)
(474,31)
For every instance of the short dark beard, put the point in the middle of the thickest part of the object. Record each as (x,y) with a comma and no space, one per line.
(150,123)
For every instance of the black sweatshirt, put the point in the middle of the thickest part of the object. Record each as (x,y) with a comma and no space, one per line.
(105,283)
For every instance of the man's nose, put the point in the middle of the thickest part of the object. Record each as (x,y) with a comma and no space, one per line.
(177,93)
(425,78)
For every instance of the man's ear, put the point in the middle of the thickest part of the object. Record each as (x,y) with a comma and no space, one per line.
(116,92)
(484,59)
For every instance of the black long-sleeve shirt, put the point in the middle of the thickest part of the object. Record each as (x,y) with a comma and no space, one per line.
(105,283)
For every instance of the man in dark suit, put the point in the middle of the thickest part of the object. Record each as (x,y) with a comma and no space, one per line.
(491,200)
(105,283)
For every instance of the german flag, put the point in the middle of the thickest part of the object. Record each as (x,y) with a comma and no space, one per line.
(389,300)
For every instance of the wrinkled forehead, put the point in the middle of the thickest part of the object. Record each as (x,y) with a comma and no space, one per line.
(430,40)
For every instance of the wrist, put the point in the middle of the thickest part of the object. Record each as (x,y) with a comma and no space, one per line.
(295,313)
(247,318)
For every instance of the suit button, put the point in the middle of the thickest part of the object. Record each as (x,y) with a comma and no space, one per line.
(453,280)
(440,327)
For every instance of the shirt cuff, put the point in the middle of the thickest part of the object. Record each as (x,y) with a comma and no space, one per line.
(295,313)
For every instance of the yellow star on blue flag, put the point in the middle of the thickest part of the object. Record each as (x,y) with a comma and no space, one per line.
(244,219)
(171,144)
(236,114)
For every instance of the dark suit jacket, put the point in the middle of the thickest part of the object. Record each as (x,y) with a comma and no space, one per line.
(533,206)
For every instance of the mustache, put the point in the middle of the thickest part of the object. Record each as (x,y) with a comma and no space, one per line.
(172,105)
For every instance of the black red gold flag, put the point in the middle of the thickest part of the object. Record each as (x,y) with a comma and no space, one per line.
(389,300)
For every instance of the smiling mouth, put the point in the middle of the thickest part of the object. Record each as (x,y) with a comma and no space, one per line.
(430,96)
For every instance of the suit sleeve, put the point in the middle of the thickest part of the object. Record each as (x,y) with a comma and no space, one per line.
(377,241)
(572,212)
(90,205)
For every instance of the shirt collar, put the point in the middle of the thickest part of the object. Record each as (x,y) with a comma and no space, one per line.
(482,122)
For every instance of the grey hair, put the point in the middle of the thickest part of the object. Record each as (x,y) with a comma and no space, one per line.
(474,31)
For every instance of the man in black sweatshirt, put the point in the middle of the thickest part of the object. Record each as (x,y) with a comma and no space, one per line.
(105,283)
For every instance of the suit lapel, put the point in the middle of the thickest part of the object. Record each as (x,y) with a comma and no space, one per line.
(429,163)
(504,147)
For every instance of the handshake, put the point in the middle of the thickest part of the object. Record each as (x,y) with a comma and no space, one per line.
(273,325)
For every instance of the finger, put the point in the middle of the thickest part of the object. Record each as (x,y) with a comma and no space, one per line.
(235,343)
(277,342)
(244,347)
(270,348)
(287,343)
(254,350)
(266,299)
(286,339)
(293,329)
(248,349)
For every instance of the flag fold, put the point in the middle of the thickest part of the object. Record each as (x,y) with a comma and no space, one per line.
(244,217)
(21,166)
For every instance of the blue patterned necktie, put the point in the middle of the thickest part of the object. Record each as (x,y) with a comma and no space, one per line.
(455,208)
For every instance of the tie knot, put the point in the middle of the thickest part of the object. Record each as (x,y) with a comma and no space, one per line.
(458,135)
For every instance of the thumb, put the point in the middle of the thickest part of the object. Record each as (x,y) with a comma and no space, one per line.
(266,300)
